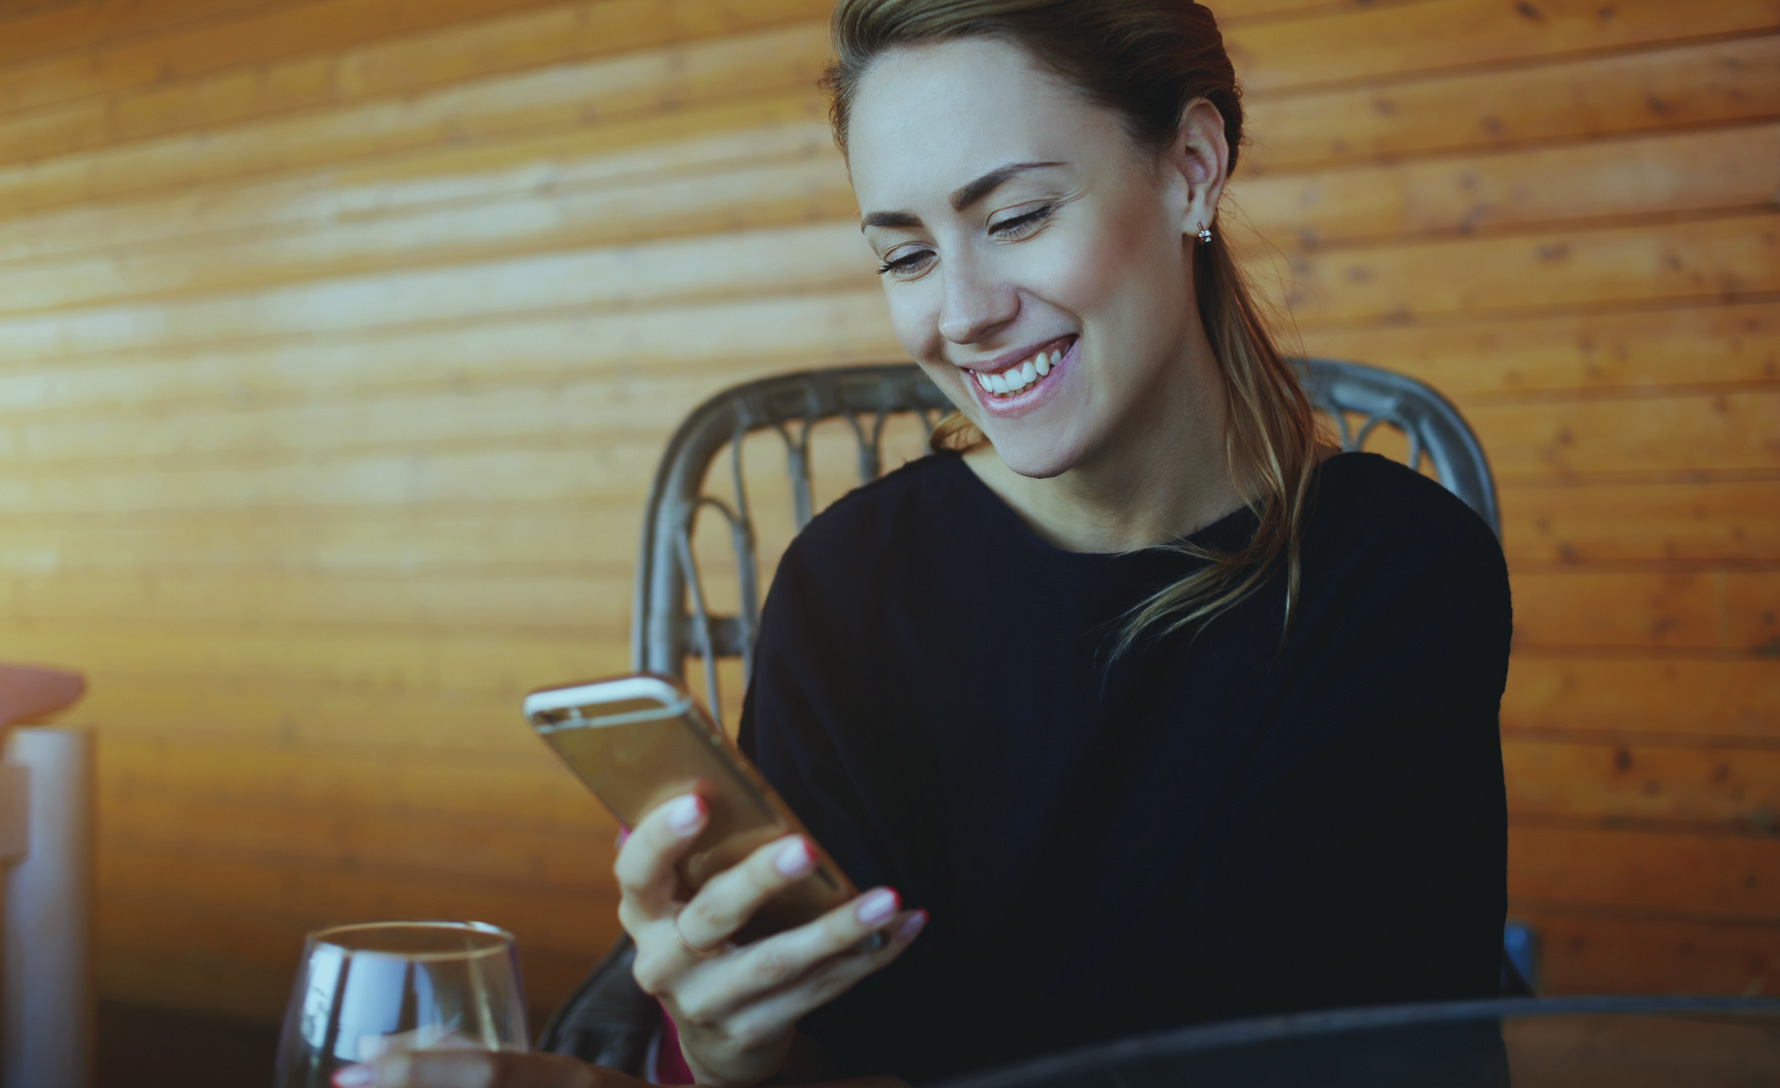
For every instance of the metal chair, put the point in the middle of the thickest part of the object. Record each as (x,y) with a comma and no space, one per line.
(672,620)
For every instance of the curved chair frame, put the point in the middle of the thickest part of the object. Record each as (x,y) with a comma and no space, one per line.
(671,620)
(608,1020)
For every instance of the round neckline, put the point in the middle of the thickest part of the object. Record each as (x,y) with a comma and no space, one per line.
(1006,513)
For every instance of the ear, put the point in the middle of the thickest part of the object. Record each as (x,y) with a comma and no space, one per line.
(1197,164)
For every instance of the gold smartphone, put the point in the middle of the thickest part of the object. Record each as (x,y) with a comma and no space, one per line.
(643,739)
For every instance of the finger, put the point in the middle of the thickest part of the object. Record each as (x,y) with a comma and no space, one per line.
(730,898)
(480,1069)
(786,959)
(827,981)
(645,865)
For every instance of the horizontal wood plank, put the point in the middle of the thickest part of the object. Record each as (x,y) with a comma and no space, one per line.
(1594,953)
(697,137)
(591,607)
(527,787)
(352,839)
(1672,87)
(1727,877)
(366,661)
(557,96)
(1707,259)
(35,29)
(749,264)
(1734,702)
(1477,360)
(715,342)
(246,36)
(1700,431)
(1719,610)
(748,198)
(489,47)
(1722,789)
(1446,34)
(1699,522)
(1601,180)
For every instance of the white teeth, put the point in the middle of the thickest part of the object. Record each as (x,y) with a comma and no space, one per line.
(1014,379)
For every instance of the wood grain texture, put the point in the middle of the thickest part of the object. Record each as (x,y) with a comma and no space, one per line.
(1445,34)
(339,339)
(1731,703)
(1616,784)
(526,101)
(1729,878)
(1622,350)
(1593,953)
(1559,103)
(371,68)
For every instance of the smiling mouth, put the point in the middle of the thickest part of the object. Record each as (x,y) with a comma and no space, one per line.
(1017,379)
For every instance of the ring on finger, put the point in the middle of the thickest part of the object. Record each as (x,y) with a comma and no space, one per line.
(692,950)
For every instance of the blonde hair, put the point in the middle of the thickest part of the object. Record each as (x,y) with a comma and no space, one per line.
(1145,60)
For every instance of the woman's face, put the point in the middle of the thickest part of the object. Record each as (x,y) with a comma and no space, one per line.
(1034,259)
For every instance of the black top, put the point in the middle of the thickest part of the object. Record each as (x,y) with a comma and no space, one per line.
(1208,827)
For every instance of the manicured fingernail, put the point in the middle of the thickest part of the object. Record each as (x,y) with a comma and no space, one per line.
(911,926)
(355,1076)
(623,836)
(684,813)
(794,858)
(876,908)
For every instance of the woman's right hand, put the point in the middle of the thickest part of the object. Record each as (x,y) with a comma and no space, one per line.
(737,1007)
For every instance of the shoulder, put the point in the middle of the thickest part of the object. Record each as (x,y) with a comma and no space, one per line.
(1377,520)
(902,499)
(880,526)
(1369,497)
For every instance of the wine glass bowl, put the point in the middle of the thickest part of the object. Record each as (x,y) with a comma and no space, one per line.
(367,990)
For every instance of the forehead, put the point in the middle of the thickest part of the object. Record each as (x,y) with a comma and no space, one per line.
(928,119)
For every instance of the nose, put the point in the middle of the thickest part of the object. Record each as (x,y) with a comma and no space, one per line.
(976,303)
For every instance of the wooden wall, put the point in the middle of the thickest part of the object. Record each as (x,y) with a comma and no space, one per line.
(338,339)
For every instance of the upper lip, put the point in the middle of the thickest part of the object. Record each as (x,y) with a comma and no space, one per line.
(1007,360)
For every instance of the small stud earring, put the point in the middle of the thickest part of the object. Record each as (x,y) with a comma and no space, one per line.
(1204,233)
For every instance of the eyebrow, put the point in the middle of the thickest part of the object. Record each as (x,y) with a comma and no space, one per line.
(963,198)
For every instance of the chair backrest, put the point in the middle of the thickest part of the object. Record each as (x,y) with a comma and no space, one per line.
(671,620)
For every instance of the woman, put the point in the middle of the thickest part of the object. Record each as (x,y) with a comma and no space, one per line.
(1161,711)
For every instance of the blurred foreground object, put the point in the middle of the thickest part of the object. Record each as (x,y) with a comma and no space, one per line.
(46,847)
(376,988)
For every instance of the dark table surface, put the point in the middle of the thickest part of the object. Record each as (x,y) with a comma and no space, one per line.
(1582,1042)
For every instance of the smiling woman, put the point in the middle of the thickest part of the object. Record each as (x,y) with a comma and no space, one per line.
(1090,687)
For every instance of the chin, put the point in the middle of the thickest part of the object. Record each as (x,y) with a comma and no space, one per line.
(1036,456)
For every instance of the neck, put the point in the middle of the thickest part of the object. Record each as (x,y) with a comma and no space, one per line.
(1163,476)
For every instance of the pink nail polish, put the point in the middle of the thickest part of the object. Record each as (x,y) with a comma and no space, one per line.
(794,858)
(684,813)
(876,908)
(355,1076)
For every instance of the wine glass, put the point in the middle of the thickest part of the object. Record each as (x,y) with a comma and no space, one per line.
(371,989)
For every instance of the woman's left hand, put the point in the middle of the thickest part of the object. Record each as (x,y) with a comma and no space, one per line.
(481,1069)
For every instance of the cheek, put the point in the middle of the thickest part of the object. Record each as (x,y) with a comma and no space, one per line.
(914,320)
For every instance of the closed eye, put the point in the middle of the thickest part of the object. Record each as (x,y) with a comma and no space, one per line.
(1021,225)
(907,263)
